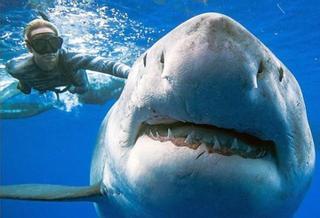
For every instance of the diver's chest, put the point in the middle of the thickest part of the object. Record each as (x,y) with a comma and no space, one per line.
(49,80)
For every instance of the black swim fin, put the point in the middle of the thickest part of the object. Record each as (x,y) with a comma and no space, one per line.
(44,192)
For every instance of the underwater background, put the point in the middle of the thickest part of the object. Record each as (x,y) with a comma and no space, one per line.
(56,146)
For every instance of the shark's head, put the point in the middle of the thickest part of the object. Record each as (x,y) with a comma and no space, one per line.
(210,122)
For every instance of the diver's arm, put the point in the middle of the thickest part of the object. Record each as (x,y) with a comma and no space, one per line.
(12,67)
(99,64)
(12,106)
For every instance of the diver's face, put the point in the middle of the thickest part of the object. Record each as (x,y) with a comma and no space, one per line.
(46,60)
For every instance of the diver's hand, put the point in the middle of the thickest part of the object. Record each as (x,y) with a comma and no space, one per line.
(23,88)
(77,89)
(72,89)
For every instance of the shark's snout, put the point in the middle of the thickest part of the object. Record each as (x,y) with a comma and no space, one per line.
(216,76)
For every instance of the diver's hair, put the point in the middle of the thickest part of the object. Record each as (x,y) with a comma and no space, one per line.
(37,23)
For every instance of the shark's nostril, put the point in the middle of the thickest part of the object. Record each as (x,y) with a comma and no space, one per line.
(162,61)
(145,60)
(280,74)
(162,58)
(260,69)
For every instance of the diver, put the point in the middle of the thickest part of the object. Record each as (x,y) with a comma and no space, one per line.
(48,66)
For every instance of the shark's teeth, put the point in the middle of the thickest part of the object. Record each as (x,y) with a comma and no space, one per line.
(262,153)
(214,141)
(170,135)
(249,149)
(151,134)
(234,145)
(188,139)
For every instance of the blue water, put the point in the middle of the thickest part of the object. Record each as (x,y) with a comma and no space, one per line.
(56,146)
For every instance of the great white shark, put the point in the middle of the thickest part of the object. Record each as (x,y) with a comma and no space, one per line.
(210,123)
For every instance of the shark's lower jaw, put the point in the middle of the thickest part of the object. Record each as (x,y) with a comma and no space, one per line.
(217,140)
(190,161)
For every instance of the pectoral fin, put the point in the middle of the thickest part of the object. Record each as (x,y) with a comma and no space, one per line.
(40,192)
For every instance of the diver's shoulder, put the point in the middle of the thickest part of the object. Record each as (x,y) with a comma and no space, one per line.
(70,55)
(20,65)
(73,59)
(67,56)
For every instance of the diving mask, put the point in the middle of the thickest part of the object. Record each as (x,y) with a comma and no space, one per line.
(45,43)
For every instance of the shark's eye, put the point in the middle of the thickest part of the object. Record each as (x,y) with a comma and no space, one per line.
(162,58)
(145,60)
(280,74)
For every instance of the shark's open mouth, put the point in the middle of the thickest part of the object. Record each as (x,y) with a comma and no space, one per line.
(216,140)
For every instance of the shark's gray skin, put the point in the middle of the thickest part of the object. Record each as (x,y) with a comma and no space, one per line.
(210,79)
(209,124)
